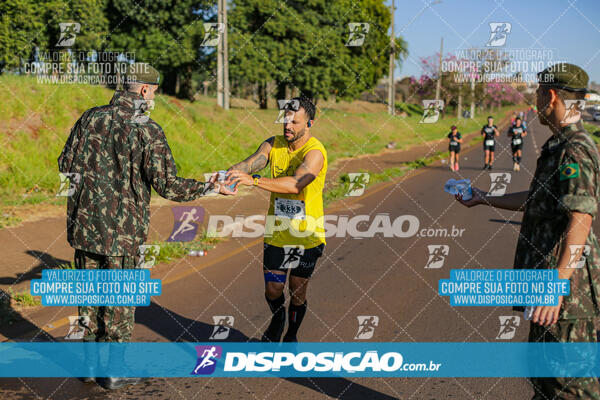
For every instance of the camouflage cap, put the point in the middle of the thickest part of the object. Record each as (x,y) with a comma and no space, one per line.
(142,73)
(564,76)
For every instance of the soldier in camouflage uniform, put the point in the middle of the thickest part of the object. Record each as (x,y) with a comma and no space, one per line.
(556,229)
(120,155)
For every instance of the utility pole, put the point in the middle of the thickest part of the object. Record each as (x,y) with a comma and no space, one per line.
(473,96)
(472,93)
(222,58)
(438,86)
(392,86)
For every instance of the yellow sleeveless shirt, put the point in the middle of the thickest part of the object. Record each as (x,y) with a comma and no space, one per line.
(295,219)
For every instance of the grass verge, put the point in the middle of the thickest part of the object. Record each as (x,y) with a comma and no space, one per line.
(37,118)
(24,299)
(171,251)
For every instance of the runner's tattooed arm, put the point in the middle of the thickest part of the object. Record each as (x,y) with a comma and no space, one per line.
(256,161)
(307,171)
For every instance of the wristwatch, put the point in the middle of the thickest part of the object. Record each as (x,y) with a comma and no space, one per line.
(256,178)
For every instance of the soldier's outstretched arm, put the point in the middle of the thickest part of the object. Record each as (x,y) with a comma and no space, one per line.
(513,201)
(160,169)
(256,161)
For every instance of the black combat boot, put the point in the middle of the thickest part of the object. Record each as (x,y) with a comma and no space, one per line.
(117,358)
(91,359)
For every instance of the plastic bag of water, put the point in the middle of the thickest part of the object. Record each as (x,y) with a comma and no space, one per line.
(462,186)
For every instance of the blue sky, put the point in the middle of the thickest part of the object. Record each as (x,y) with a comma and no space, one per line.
(573,31)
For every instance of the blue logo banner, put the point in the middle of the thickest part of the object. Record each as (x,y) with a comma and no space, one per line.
(234,359)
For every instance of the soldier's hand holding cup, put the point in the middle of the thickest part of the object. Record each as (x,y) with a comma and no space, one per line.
(218,180)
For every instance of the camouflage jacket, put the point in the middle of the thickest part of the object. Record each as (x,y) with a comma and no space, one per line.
(119,157)
(567,178)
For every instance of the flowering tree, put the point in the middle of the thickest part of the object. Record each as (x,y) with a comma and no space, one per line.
(463,81)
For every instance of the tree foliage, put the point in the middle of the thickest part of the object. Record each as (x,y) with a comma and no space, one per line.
(302,45)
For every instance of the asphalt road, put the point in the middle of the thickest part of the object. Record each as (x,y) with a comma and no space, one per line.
(383,277)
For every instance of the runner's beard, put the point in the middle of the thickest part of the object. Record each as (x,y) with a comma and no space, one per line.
(296,136)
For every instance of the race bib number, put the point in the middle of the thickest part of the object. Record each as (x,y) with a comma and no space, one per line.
(453,143)
(290,208)
(517,141)
(489,142)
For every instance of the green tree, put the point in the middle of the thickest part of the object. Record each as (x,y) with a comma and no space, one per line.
(23,27)
(164,33)
(301,45)
(28,24)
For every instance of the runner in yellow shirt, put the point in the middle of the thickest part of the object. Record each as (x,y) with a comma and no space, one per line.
(294,231)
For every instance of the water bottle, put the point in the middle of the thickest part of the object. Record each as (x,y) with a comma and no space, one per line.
(463,187)
(528,313)
(450,186)
(222,176)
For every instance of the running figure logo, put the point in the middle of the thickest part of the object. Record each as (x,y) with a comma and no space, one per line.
(212,34)
(579,253)
(437,255)
(187,220)
(499,183)
(148,254)
(68,183)
(291,256)
(573,112)
(287,109)
(223,325)
(77,327)
(499,33)
(207,359)
(508,327)
(366,326)
(358,183)
(68,33)
(358,33)
(141,113)
(431,111)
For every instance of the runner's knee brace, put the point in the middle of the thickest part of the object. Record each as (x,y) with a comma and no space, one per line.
(271,277)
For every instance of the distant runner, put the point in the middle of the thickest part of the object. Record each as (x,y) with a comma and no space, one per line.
(489,133)
(454,147)
(517,133)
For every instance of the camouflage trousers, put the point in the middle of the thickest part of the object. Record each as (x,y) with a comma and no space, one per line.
(575,330)
(105,324)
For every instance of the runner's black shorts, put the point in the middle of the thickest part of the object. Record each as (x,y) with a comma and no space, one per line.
(516,147)
(455,149)
(490,148)
(302,265)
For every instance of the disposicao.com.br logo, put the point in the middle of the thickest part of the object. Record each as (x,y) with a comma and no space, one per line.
(283,363)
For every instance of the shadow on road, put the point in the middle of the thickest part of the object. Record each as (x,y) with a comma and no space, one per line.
(164,322)
(176,327)
(504,221)
(46,261)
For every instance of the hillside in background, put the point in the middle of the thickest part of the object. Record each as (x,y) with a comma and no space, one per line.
(36,120)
